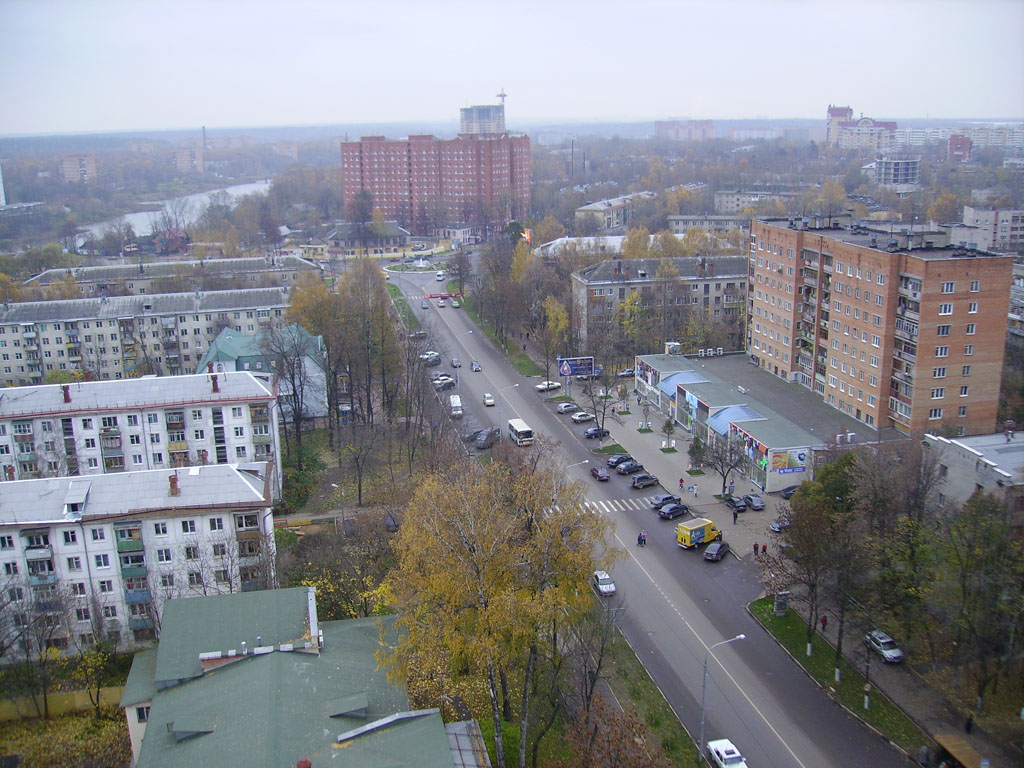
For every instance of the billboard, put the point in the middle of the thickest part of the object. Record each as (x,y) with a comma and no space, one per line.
(785,462)
(575,366)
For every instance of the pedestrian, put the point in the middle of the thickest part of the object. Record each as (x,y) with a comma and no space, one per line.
(764,550)
(640,539)
(696,491)
(735,514)
(824,623)
(681,483)
(755,549)
(643,538)
(732,487)
(969,725)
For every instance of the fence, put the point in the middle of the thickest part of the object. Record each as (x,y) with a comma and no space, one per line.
(60,703)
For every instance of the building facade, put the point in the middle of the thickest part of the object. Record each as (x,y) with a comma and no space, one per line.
(908,335)
(835,116)
(680,224)
(125,336)
(615,213)
(897,169)
(691,130)
(95,558)
(80,169)
(732,201)
(488,118)
(988,463)
(992,229)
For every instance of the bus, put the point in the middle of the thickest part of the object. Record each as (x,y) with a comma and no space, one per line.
(519,432)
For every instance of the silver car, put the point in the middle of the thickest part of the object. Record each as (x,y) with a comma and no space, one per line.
(879,642)
(603,584)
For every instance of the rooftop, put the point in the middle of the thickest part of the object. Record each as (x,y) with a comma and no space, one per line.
(1002,455)
(152,270)
(686,267)
(614,202)
(230,346)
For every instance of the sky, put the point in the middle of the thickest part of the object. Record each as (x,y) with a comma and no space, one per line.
(72,66)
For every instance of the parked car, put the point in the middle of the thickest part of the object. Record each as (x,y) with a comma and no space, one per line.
(723,753)
(487,438)
(547,386)
(488,398)
(754,502)
(444,384)
(456,363)
(596,432)
(629,467)
(431,360)
(662,499)
(474,366)
(672,511)
(582,416)
(567,407)
(429,354)
(424,304)
(599,472)
(618,458)
(626,373)
(440,380)
(417,335)
(455,304)
(644,481)
(603,584)
(736,504)
(716,550)
(779,525)
(879,642)
(788,491)
(597,374)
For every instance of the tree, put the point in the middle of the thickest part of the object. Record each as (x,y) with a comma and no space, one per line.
(295,359)
(9,289)
(636,244)
(553,332)
(514,231)
(945,208)
(724,454)
(547,230)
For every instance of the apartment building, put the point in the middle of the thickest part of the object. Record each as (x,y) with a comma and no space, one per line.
(907,334)
(91,557)
(681,224)
(691,130)
(615,213)
(123,336)
(207,274)
(80,169)
(732,201)
(189,160)
(486,118)
(715,284)
(991,229)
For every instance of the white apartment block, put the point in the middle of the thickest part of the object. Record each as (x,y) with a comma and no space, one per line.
(103,427)
(992,230)
(85,557)
(122,336)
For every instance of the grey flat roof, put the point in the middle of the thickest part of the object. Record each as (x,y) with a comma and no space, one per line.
(151,270)
(725,267)
(1005,455)
(130,394)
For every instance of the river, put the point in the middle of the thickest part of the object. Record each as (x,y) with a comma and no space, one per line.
(142,221)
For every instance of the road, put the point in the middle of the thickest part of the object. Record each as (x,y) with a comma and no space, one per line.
(677,605)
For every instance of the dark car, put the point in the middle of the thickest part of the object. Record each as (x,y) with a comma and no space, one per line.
(644,481)
(599,473)
(662,499)
(596,432)
(779,525)
(788,491)
(736,504)
(716,550)
(487,438)
(629,467)
(754,502)
(618,458)
(672,511)
(444,384)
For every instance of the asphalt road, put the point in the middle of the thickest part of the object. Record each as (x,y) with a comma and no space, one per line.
(676,604)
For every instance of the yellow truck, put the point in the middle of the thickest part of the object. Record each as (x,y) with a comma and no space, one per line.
(693,533)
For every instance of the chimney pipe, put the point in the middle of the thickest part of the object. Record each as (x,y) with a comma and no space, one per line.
(216,384)
(67,392)
(259,641)
(243,647)
(173,481)
(209,367)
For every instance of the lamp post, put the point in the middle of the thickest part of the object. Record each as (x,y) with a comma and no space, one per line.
(704,688)
(341,493)
(511,386)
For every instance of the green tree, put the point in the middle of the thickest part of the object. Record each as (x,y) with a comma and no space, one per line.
(636,244)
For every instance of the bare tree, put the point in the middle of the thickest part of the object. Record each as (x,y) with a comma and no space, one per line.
(724,454)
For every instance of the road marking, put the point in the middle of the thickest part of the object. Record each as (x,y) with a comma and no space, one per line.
(707,649)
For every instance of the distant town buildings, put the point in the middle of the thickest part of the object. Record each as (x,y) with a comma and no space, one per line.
(681,224)
(835,116)
(892,326)
(842,130)
(489,118)
(80,169)
(616,213)
(287,149)
(898,171)
(990,229)
(732,201)
(188,160)
(692,130)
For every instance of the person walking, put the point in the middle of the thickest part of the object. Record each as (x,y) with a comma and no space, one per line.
(824,623)
(735,514)
(696,491)
(681,483)
(764,550)
(640,539)
(755,550)
(643,537)
(732,486)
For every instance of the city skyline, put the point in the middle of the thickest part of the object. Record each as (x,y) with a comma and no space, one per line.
(109,65)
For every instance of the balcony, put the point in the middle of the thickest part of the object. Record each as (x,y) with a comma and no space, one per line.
(261,439)
(26,455)
(140,623)
(42,579)
(132,596)
(130,545)
(812,281)
(39,553)
(175,419)
(29,335)
(259,415)
(134,571)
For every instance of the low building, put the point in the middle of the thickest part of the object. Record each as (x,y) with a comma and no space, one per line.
(732,201)
(90,558)
(992,463)
(348,239)
(257,680)
(613,214)
(680,224)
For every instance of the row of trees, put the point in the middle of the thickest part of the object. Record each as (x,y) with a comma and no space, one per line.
(872,541)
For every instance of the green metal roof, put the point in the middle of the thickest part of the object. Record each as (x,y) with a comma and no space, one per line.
(231,345)
(140,686)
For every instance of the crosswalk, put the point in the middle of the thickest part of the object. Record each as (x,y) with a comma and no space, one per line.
(619,505)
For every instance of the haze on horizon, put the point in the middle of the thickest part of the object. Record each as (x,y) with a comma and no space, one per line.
(77,66)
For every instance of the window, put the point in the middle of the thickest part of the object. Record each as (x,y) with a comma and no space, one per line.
(191,553)
(942,351)
(6,542)
(98,534)
(11,569)
(971,329)
(86,423)
(945,309)
(163,555)
(965,371)
(135,439)
(942,330)
(935,413)
(972,308)
(239,451)
(167,580)
(90,442)
(153,418)
(938,393)
(195,579)
(876,341)
(141,714)
(74,563)
(239,431)
(102,561)
(249,547)
(939,373)
(108,421)
(106,586)
(246,522)
(948,287)
(110,611)
(159,529)
(969,350)
(158,458)
(221,575)
(220,550)
(81,614)
(961,411)
(70,537)
(188,526)
(236,413)
(964,390)
(216,523)
(154,439)
(975,286)
(199,434)
(133,420)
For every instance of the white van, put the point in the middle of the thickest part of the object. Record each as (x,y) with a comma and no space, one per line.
(439,276)
(455,404)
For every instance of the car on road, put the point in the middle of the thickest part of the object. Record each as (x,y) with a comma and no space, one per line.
(736,504)
(474,366)
(547,386)
(599,473)
(723,753)
(455,304)
(442,384)
(629,467)
(596,433)
(488,398)
(672,511)
(487,437)
(567,407)
(662,499)
(644,481)
(779,524)
(788,491)
(618,458)
(879,642)
(582,416)
(456,363)
(754,502)
(424,304)
(441,303)
(437,380)
(716,550)
(603,584)
(626,373)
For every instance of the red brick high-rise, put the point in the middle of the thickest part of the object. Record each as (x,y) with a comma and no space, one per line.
(479,180)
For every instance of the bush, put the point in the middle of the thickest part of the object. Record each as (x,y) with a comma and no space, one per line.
(72,741)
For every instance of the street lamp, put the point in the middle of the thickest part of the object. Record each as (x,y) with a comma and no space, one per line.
(341,492)
(510,386)
(704,688)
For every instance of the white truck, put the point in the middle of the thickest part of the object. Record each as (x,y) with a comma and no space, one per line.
(455,405)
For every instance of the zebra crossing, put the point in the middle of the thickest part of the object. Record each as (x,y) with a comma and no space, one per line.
(619,505)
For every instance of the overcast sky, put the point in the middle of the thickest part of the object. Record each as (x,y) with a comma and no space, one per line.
(100,65)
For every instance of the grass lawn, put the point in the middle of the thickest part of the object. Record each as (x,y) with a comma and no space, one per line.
(393,291)
(695,472)
(613,448)
(791,632)
(520,360)
(560,399)
(645,431)
(410,320)
(553,748)
(78,739)
(669,450)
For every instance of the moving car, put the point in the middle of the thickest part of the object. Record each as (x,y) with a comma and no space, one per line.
(567,407)
(754,502)
(723,753)
(437,381)
(629,467)
(736,504)
(603,584)
(779,524)
(581,416)
(440,302)
(788,491)
(424,304)
(442,384)
(455,304)
(421,334)
(599,472)
(488,398)
(879,642)
(626,373)
(672,511)
(596,432)
(716,550)
(456,363)
(662,499)
(547,386)
(618,458)
(644,481)
(474,366)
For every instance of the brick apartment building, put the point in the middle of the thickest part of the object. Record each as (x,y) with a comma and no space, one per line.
(80,169)
(422,182)
(907,334)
